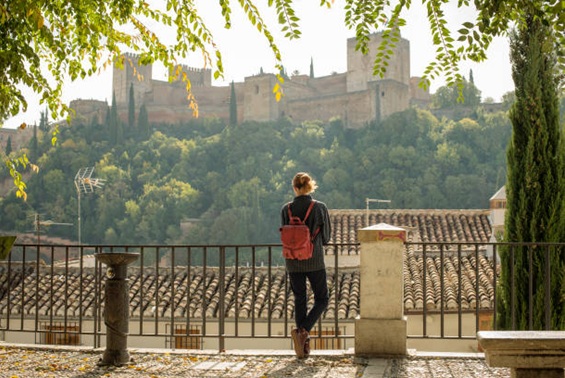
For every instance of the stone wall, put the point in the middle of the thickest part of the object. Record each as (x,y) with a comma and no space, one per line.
(390,97)
(85,111)
(354,109)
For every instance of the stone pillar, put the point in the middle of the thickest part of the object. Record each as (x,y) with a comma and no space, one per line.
(380,329)
(116,307)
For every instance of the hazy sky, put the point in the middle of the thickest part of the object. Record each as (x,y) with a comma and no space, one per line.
(324,39)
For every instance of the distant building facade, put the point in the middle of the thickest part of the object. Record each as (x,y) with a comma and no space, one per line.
(357,97)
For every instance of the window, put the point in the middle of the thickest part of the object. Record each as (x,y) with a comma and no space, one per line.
(59,333)
(499,204)
(183,338)
(324,342)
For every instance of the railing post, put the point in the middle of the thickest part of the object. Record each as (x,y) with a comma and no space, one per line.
(380,329)
(116,307)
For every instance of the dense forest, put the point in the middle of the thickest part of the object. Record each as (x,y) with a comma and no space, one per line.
(207,183)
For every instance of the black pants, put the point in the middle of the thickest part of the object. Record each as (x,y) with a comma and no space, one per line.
(304,318)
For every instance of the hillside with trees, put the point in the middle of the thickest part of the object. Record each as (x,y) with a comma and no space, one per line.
(206,183)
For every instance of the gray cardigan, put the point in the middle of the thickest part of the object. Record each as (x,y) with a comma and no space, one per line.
(318,218)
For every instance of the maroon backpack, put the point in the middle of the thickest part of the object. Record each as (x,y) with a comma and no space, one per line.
(296,240)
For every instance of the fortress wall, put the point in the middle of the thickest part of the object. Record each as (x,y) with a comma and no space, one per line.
(166,94)
(171,95)
(390,97)
(168,114)
(173,107)
(300,79)
(87,110)
(330,85)
(211,101)
(217,96)
(295,90)
(353,108)
(215,101)
(19,138)
(417,93)
(360,109)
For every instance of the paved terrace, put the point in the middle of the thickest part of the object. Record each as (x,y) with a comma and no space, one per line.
(27,361)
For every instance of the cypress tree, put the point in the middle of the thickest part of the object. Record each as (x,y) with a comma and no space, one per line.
(34,145)
(44,120)
(311,68)
(233,106)
(131,109)
(116,133)
(534,189)
(143,121)
(8,149)
(107,122)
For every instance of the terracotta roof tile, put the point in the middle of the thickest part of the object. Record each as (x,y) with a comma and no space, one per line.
(457,226)
(248,296)
(258,301)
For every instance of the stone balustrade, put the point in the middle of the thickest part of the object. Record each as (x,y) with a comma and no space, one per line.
(529,354)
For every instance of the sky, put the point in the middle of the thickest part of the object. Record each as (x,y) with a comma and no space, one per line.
(324,40)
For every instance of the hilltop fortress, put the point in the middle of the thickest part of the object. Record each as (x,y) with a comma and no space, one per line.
(355,96)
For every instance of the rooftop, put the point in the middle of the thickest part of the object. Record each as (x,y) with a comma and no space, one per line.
(195,286)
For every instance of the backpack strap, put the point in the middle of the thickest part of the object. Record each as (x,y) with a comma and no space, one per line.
(289,212)
(306,217)
(307,211)
(315,234)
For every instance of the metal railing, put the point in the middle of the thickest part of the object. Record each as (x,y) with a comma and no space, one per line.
(216,296)
(179,295)
(470,273)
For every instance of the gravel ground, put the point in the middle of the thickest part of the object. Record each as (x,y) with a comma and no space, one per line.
(24,362)
(419,367)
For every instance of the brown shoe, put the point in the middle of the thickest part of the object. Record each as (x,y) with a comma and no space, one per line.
(298,342)
(305,339)
(307,348)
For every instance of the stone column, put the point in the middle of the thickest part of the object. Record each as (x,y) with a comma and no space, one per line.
(116,307)
(380,329)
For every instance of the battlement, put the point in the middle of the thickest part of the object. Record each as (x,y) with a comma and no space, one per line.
(131,55)
(193,69)
(134,58)
(199,77)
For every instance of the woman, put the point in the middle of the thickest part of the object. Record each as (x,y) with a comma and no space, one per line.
(313,268)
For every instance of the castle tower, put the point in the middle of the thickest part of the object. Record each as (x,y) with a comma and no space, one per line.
(260,103)
(360,66)
(132,73)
